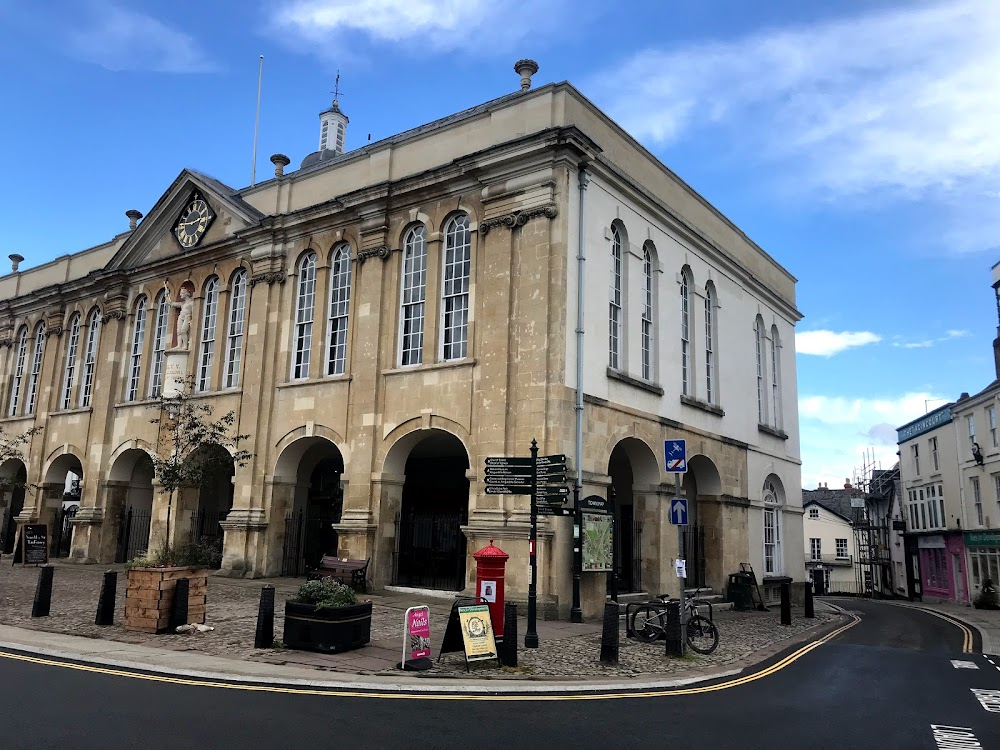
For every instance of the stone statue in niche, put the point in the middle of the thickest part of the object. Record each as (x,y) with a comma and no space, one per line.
(185,310)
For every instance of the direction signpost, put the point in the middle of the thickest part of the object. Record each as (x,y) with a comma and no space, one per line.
(675,457)
(544,478)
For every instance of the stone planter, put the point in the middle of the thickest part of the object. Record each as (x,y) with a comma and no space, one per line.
(149,595)
(327,629)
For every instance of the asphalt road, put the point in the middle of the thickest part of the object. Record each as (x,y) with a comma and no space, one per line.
(881,684)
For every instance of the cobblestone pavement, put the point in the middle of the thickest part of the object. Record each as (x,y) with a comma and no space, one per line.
(565,650)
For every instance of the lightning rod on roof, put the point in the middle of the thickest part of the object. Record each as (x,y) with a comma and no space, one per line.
(256,124)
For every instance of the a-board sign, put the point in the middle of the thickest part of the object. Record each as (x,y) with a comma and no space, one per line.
(32,544)
(477,633)
(417,640)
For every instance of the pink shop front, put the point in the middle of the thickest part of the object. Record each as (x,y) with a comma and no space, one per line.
(942,568)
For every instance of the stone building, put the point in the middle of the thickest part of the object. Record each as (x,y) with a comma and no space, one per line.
(383,319)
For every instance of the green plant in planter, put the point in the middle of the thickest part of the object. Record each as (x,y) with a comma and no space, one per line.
(326,592)
(987,597)
(197,555)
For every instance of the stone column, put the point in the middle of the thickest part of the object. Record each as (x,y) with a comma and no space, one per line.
(243,531)
(96,526)
(387,494)
(279,499)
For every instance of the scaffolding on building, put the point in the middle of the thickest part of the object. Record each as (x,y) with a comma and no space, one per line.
(871,502)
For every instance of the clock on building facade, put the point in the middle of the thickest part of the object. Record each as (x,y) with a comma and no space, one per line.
(193,222)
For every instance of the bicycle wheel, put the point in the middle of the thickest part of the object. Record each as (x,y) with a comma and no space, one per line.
(702,635)
(646,623)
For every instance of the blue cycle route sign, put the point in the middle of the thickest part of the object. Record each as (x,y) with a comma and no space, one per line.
(679,511)
(675,453)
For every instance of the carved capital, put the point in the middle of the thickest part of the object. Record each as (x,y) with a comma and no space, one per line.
(56,330)
(113,315)
(6,342)
(268,277)
(517,218)
(381,251)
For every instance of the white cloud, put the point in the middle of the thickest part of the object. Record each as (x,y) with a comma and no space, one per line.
(121,39)
(827,343)
(950,334)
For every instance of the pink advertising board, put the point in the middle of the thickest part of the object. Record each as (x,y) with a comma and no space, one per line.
(418,634)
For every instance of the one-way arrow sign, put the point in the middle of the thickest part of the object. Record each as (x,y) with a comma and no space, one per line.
(679,511)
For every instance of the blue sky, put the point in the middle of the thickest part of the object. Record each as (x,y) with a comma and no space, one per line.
(856,141)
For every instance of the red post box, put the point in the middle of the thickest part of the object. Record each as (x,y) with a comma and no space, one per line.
(490,564)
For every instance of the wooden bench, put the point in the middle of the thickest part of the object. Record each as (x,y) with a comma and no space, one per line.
(352,572)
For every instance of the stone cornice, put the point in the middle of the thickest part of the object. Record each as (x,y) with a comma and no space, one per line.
(113,315)
(268,277)
(517,218)
(380,251)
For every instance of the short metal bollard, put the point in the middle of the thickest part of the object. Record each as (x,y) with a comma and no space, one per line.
(508,647)
(786,603)
(106,604)
(179,605)
(809,600)
(264,637)
(43,592)
(674,637)
(609,636)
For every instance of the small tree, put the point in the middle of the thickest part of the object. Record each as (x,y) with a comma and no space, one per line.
(186,426)
(10,448)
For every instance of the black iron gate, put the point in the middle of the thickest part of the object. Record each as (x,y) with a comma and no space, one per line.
(307,539)
(430,551)
(133,534)
(206,530)
(62,532)
(628,541)
(694,555)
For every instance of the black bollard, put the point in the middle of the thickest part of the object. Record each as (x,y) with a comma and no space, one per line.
(786,603)
(609,636)
(265,619)
(809,600)
(43,592)
(106,604)
(508,647)
(675,643)
(179,606)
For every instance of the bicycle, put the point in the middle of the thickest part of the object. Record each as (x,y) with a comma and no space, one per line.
(649,622)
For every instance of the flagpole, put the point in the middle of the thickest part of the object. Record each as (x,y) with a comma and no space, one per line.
(256,124)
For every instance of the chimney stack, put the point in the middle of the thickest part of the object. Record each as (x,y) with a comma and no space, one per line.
(847,485)
(280,161)
(133,218)
(525,69)
(15,261)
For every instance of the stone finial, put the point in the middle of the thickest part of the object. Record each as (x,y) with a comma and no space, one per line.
(525,69)
(133,218)
(15,261)
(280,161)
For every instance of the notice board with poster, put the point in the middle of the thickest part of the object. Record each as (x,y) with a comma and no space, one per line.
(31,547)
(477,633)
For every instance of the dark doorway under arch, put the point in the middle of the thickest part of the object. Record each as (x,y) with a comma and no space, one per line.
(12,495)
(215,498)
(318,504)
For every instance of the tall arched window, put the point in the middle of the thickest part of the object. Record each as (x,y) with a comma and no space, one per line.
(685,331)
(135,356)
(455,290)
(69,371)
(414,290)
(773,564)
(776,377)
(340,304)
(647,314)
(234,333)
(711,386)
(209,318)
(759,343)
(15,386)
(159,344)
(90,356)
(305,303)
(615,303)
(36,368)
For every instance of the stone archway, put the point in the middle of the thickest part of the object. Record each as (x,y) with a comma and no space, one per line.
(13,479)
(634,473)
(703,537)
(307,499)
(199,511)
(61,500)
(433,505)
(128,510)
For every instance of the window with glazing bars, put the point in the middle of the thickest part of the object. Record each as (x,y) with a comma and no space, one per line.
(70,370)
(305,302)
(135,358)
(457,266)
(36,368)
(647,315)
(412,297)
(15,388)
(340,303)
(615,302)
(685,334)
(208,320)
(234,334)
(759,343)
(160,320)
(709,343)
(89,357)
(775,382)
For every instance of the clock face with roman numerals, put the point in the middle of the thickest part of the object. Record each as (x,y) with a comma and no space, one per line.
(193,222)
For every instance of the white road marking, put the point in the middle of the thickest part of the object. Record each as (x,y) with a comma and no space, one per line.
(988,699)
(954,738)
(959,664)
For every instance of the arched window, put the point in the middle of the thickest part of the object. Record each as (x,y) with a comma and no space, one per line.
(711,386)
(159,344)
(647,314)
(759,343)
(234,334)
(90,356)
(15,389)
(135,357)
(36,368)
(208,320)
(69,371)
(773,563)
(686,331)
(414,290)
(455,290)
(615,303)
(340,303)
(305,302)
(776,377)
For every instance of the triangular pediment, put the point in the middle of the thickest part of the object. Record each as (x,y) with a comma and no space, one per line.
(154,238)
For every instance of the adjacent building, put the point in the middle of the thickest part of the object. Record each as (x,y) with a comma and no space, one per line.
(381,320)
(828,533)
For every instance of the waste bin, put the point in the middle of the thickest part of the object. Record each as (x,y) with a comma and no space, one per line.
(740,591)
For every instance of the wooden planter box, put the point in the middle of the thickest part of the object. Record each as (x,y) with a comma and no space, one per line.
(327,629)
(149,595)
